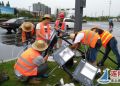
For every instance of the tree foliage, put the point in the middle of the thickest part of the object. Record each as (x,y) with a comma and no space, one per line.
(8,4)
(24,13)
(2,3)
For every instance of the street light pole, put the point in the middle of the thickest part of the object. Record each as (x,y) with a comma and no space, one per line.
(110,2)
(102,13)
(29,8)
(79,5)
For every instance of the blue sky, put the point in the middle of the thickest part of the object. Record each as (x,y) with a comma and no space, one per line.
(93,7)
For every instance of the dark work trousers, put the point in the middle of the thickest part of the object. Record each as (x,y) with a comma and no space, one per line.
(112,45)
(42,69)
(25,45)
(92,52)
(111,27)
(28,39)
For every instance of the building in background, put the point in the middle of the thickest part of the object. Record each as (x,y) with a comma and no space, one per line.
(40,9)
(6,10)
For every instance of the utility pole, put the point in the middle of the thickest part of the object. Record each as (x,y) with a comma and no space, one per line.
(29,11)
(102,13)
(95,14)
(29,8)
(79,5)
(110,2)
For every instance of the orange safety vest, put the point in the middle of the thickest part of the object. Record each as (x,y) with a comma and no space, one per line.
(57,25)
(24,35)
(90,38)
(105,38)
(25,65)
(43,33)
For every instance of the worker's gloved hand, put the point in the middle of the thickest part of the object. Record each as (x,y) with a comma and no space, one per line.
(60,31)
(70,46)
(46,57)
(74,46)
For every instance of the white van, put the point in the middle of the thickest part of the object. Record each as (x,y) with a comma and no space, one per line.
(69,23)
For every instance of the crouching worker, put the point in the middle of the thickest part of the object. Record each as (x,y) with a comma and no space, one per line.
(27,33)
(31,66)
(109,43)
(90,39)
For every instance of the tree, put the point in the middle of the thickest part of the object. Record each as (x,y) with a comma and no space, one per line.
(2,3)
(24,13)
(8,4)
(118,16)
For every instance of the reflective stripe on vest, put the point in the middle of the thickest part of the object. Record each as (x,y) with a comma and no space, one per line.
(23,67)
(25,64)
(43,32)
(87,34)
(57,25)
(25,61)
(105,37)
(90,38)
(39,60)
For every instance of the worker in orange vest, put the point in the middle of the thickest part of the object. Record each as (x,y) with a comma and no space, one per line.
(27,33)
(109,43)
(90,39)
(43,29)
(60,25)
(31,63)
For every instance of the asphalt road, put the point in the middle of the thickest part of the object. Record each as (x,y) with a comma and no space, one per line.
(8,49)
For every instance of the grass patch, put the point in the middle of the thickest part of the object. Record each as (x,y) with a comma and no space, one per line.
(54,77)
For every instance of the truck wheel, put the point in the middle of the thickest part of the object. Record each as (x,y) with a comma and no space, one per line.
(14,29)
(67,27)
(9,31)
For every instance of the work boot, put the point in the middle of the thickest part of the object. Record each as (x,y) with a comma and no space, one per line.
(44,76)
(34,81)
